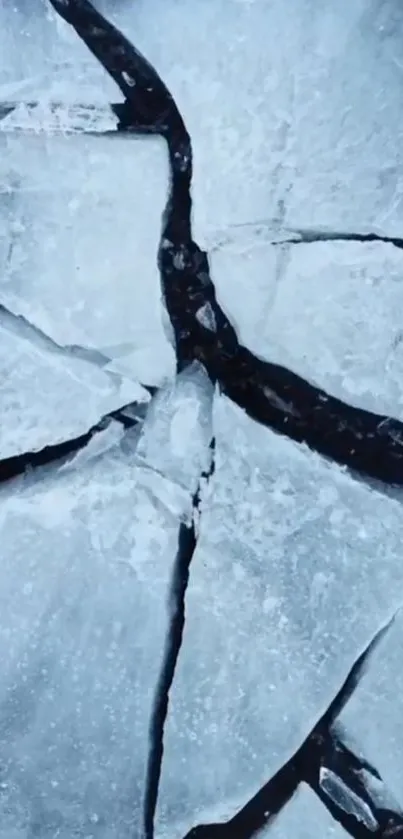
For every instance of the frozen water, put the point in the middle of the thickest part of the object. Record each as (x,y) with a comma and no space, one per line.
(87,558)
(296,568)
(81,222)
(175,440)
(304,818)
(372,721)
(328,310)
(293,109)
(345,799)
(48,397)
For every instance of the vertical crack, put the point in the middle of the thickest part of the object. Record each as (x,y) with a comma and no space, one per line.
(187,542)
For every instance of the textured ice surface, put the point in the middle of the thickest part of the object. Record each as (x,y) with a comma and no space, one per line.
(304,818)
(372,721)
(87,556)
(80,227)
(175,440)
(328,310)
(293,111)
(296,568)
(48,397)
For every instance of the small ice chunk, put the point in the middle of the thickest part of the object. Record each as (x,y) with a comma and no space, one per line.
(178,433)
(344,798)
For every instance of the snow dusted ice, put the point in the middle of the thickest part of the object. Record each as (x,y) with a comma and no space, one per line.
(303,818)
(372,720)
(88,555)
(296,568)
(48,397)
(330,311)
(293,112)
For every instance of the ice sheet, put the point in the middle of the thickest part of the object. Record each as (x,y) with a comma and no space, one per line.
(48,397)
(304,818)
(87,557)
(372,721)
(296,568)
(328,310)
(81,222)
(293,110)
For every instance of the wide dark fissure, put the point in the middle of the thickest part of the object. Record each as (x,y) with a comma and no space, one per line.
(187,542)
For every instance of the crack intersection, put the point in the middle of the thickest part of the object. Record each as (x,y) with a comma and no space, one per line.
(272,395)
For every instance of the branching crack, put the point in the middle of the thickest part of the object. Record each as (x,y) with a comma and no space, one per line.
(305,766)
(271,394)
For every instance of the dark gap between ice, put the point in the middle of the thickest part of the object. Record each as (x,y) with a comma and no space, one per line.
(187,542)
(11,467)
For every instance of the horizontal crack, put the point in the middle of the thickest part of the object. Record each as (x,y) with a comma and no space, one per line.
(306,236)
(10,467)
(187,542)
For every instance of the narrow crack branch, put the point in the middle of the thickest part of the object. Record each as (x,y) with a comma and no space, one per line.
(303,765)
(10,467)
(187,542)
(307,236)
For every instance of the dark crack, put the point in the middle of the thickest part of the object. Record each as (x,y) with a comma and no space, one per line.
(304,765)
(271,394)
(187,542)
(10,467)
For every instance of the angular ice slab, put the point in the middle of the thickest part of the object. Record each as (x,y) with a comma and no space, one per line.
(304,818)
(293,109)
(48,396)
(296,568)
(80,228)
(176,437)
(87,557)
(330,311)
(372,721)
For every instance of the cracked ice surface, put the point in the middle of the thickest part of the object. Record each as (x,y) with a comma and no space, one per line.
(330,311)
(303,818)
(87,557)
(293,113)
(296,567)
(81,222)
(372,721)
(47,397)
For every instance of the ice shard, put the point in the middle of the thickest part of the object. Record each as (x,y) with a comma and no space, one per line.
(329,311)
(48,397)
